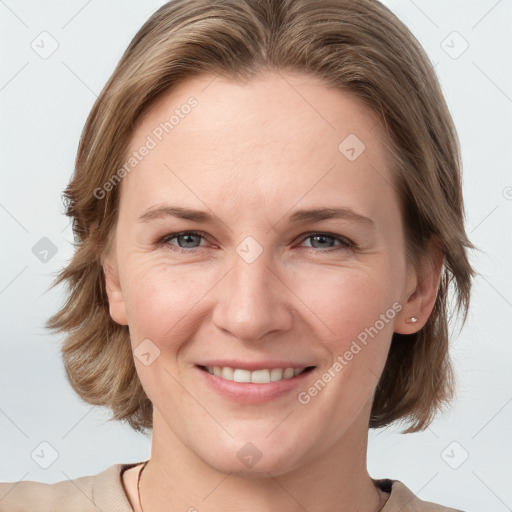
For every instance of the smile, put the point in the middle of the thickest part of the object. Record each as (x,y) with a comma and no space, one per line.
(262,376)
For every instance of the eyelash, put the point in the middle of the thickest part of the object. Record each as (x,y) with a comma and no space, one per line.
(346,244)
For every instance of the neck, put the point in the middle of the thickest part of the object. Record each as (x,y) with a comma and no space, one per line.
(337,480)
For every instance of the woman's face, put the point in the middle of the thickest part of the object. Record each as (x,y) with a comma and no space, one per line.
(251,283)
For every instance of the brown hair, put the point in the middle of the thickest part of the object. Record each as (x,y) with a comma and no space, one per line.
(359,47)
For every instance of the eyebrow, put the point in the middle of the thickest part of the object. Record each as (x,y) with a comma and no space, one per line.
(298,217)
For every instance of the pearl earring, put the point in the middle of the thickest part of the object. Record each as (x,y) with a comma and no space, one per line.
(411,320)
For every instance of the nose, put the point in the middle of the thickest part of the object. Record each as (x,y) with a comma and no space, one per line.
(253,300)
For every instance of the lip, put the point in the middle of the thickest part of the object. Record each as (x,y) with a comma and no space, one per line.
(248,392)
(253,366)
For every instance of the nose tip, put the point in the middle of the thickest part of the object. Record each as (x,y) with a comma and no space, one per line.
(253,301)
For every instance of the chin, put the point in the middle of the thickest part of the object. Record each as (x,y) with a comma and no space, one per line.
(252,459)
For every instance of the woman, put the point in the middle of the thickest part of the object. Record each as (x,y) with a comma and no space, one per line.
(305,148)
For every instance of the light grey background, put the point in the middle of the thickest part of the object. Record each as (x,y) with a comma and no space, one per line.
(463,460)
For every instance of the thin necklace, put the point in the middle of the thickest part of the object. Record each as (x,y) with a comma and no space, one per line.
(144,466)
(138,483)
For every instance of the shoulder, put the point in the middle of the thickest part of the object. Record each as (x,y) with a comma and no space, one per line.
(103,491)
(404,500)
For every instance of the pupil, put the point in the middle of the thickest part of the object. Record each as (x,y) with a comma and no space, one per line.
(188,237)
(321,237)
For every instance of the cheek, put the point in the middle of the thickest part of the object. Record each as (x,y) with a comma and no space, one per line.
(346,301)
(159,298)
(335,304)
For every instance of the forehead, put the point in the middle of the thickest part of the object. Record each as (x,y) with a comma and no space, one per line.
(246,143)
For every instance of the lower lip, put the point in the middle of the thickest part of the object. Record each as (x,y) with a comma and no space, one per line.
(249,392)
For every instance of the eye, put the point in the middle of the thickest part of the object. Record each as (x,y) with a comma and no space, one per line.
(324,238)
(185,240)
(186,243)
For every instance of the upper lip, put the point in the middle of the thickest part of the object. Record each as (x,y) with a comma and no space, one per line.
(254,365)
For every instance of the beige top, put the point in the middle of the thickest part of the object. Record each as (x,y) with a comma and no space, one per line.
(105,492)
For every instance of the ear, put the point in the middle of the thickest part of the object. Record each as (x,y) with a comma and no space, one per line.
(420,294)
(114,291)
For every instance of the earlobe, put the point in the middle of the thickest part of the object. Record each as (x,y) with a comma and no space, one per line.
(114,292)
(418,304)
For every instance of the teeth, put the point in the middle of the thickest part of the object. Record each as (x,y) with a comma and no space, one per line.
(257,376)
